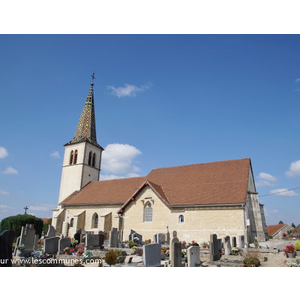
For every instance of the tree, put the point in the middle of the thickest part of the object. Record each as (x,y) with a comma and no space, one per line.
(16,222)
(293,225)
(111,257)
(280,222)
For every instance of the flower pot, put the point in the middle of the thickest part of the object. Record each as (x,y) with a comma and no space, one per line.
(291,255)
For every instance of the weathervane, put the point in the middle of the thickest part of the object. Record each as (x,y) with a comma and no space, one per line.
(93,76)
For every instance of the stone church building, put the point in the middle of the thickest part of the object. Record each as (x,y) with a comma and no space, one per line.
(195,200)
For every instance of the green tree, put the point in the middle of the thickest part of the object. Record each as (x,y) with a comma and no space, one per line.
(16,222)
(280,222)
(293,225)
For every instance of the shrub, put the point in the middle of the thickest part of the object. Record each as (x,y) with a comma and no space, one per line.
(251,262)
(111,257)
(297,245)
(16,222)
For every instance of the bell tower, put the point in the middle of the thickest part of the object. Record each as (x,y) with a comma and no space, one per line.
(82,158)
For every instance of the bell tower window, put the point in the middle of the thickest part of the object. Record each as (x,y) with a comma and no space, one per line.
(71,157)
(75,157)
(90,158)
(94,159)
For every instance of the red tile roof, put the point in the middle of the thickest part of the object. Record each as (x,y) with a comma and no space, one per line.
(215,183)
(272,229)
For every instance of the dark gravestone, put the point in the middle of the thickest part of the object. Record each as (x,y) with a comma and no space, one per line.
(6,240)
(214,252)
(77,235)
(101,240)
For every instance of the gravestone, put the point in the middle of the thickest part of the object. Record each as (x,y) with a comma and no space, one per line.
(227,246)
(92,241)
(27,238)
(174,234)
(51,245)
(151,255)
(175,252)
(233,241)
(241,241)
(160,238)
(113,238)
(50,232)
(220,245)
(193,256)
(168,237)
(77,235)
(214,252)
(35,243)
(62,244)
(133,235)
(101,240)
(6,240)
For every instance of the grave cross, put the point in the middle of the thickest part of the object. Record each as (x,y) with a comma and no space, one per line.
(26,209)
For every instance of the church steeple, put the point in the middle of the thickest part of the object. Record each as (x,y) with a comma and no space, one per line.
(82,158)
(86,128)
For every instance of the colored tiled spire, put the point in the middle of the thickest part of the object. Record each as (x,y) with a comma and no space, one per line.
(86,128)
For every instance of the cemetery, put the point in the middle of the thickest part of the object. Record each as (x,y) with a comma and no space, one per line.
(87,249)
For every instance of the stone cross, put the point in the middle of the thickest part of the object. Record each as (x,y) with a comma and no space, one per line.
(26,208)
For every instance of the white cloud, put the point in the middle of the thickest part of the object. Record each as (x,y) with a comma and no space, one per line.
(55,154)
(3,152)
(128,90)
(284,193)
(10,170)
(119,159)
(294,170)
(266,176)
(41,207)
(261,183)
(297,80)
(5,193)
(265,179)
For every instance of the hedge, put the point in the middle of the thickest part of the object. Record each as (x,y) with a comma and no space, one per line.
(16,222)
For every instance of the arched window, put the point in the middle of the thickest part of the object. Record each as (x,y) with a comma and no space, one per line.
(90,158)
(95,220)
(71,157)
(72,222)
(75,157)
(148,212)
(94,159)
(181,219)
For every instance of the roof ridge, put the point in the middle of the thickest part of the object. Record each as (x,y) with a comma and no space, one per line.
(205,163)
(114,179)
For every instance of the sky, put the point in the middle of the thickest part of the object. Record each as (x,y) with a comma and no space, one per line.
(160,101)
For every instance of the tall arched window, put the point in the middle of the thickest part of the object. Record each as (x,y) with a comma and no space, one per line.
(71,157)
(72,222)
(94,159)
(148,212)
(95,220)
(75,157)
(90,158)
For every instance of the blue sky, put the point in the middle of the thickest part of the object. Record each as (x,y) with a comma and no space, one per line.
(160,100)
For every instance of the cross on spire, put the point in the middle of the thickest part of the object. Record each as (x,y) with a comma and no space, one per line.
(93,76)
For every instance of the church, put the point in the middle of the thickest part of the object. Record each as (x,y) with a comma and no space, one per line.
(195,200)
